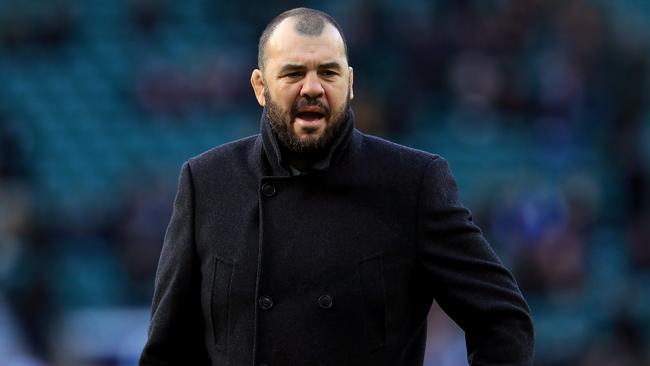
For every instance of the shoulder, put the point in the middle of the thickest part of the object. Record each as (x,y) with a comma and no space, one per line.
(377,148)
(232,153)
(398,165)
(428,171)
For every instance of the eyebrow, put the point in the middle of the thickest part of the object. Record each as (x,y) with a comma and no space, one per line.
(291,67)
(294,67)
(330,65)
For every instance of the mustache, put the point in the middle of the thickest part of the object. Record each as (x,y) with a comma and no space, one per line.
(309,102)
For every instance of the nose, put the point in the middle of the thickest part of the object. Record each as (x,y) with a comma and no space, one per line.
(312,87)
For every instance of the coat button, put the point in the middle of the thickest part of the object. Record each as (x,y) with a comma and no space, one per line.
(268,190)
(325,301)
(265,302)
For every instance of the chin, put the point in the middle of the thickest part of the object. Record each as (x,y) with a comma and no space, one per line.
(309,139)
(309,134)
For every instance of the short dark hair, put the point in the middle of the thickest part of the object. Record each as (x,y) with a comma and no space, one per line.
(309,22)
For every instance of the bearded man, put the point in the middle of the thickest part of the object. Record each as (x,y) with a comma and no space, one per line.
(314,244)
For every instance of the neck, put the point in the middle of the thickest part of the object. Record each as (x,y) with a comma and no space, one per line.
(302,161)
(300,164)
(281,158)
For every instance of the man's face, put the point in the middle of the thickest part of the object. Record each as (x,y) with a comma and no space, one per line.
(306,86)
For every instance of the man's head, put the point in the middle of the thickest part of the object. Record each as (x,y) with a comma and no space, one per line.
(303,80)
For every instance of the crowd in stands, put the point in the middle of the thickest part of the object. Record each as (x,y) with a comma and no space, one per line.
(540,106)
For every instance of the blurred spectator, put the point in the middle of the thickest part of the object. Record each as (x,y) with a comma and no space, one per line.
(636,187)
(639,238)
(141,228)
(15,218)
(547,232)
(625,346)
(12,161)
(43,24)
(30,288)
(163,89)
(211,83)
(147,14)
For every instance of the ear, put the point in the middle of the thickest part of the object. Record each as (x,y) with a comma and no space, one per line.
(351,82)
(257,81)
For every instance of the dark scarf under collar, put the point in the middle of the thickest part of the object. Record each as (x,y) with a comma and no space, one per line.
(274,153)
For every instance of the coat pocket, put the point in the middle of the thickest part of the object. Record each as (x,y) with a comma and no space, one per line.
(374,301)
(220,300)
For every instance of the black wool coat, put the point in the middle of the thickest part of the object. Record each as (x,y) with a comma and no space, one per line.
(335,267)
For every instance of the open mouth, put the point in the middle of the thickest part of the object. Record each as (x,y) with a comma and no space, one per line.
(310,116)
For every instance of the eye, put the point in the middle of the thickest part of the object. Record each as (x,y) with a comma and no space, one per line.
(329,73)
(293,74)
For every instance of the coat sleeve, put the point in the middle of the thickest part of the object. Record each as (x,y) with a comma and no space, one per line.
(176,329)
(469,281)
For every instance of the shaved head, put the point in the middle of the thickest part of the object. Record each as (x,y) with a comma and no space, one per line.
(307,22)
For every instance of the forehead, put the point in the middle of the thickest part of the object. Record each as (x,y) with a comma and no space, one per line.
(288,45)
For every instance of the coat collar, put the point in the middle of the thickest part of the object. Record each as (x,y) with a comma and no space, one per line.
(273,152)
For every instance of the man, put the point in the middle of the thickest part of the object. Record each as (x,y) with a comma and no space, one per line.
(314,244)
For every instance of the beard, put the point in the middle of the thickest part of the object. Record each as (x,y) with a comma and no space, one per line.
(282,124)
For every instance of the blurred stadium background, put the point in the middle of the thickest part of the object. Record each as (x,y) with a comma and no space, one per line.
(541,106)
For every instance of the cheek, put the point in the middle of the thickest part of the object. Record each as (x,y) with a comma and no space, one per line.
(336,95)
(287,95)
(338,89)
